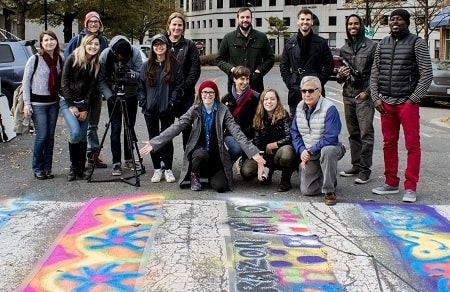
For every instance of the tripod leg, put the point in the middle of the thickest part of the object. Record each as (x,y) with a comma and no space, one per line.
(130,137)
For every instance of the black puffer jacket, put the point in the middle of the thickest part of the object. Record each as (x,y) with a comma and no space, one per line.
(280,133)
(78,84)
(292,68)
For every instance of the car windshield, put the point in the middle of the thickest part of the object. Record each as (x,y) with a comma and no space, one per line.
(441,65)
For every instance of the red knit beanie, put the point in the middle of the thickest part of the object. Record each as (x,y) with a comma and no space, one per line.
(210,84)
(89,16)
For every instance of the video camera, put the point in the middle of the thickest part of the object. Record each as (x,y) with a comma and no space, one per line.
(356,78)
(125,82)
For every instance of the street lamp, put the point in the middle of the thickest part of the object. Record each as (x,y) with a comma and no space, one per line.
(254,11)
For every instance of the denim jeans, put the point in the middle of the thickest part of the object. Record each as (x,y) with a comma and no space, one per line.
(44,118)
(93,121)
(115,114)
(234,149)
(77,129)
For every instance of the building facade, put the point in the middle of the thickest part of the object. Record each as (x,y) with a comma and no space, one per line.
(208,21)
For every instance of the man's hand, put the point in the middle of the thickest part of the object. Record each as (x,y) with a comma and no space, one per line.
(362,95)
(146,149)
(378,104)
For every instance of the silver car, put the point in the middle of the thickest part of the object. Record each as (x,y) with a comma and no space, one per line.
(440,86)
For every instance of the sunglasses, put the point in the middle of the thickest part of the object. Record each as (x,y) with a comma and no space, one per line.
(310,91)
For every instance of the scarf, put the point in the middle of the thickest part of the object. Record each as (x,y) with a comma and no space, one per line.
(208,120)
(239,96)
(305,44)
(53,78)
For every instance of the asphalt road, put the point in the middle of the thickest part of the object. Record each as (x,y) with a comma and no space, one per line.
(53,203)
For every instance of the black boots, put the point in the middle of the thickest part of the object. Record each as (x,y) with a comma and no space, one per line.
(285,183)
(73,153)
(77,153)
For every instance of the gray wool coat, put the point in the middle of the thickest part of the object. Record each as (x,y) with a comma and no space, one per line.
(223,121)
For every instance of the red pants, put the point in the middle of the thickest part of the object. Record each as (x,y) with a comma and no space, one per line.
(407,115)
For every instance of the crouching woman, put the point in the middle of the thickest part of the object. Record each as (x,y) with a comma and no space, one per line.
(205,153)
(273,137)
(79,83)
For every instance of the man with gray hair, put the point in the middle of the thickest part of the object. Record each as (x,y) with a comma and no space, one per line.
(315,131)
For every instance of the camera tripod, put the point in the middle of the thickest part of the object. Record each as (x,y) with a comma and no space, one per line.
(132,144)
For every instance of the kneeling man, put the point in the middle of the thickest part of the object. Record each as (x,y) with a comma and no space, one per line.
(315,133)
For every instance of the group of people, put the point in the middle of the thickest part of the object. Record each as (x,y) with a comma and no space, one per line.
(248,125)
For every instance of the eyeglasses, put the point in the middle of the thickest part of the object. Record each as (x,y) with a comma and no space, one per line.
(159,45)
(210,93)
(93,21)
(310,91)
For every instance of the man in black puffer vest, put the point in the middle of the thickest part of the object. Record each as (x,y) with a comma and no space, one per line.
(401,75)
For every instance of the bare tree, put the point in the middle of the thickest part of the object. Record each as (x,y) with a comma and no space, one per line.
(423,12)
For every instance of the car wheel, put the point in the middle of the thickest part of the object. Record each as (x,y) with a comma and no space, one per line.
(9,95)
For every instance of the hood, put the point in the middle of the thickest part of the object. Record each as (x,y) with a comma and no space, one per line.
(117,38)
(361,32)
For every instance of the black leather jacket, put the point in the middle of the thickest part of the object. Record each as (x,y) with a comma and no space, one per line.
(280,133)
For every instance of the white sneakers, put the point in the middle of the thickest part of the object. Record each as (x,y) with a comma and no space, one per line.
(156,178)
(168,176)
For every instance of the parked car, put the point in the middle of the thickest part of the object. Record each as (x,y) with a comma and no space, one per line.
(336,61)
(439,89)
(13,57)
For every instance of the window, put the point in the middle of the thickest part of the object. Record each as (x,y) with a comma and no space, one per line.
(332,39)
(6,54)
(258,21)
(219,3)
(309,2)
(232,22)
(437,48)
(193,25)
(204,23)
(273,3)
(219,22)
(198,5)
(198,23)
(332,20)
(187,24)
(287,21)
(244,3)
(210,23)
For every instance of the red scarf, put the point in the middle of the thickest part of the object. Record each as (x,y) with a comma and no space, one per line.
(243,102)
(53,79)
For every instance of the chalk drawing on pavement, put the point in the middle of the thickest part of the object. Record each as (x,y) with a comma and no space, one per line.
(102,248)
(274,250)
(10,207)
(422,236)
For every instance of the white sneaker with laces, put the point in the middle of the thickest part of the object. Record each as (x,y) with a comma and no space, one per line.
(168,175)
(157,175)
